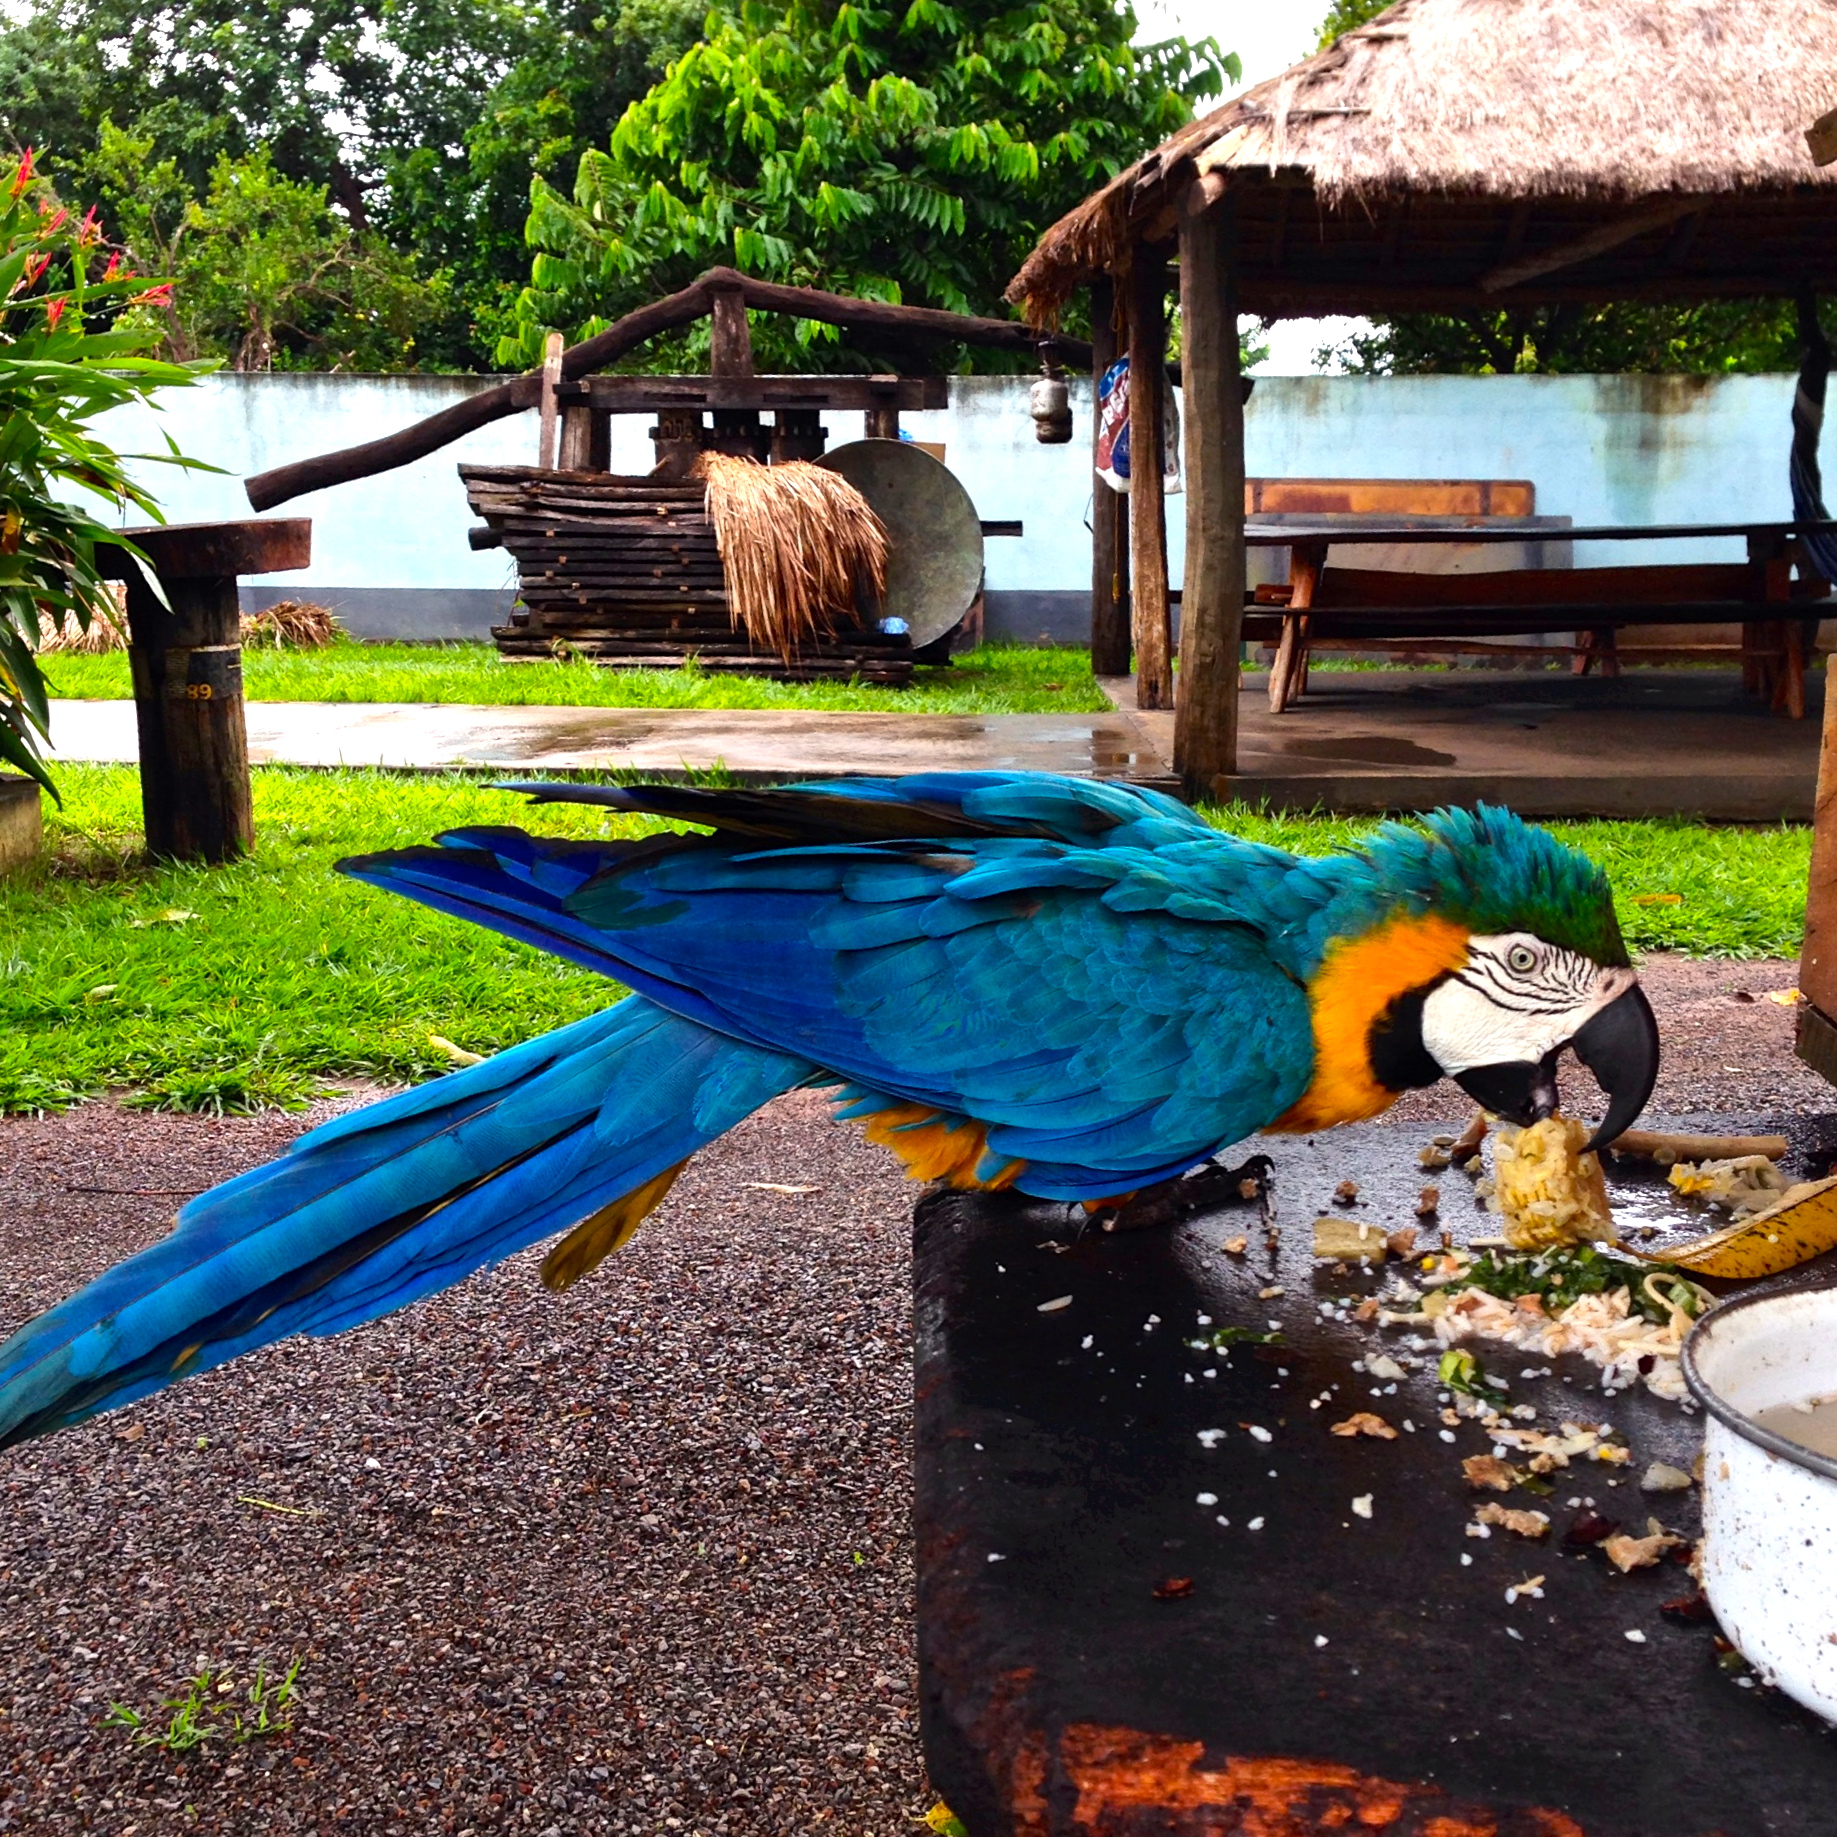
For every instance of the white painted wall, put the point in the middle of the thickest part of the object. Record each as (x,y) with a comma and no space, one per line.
(1599,449)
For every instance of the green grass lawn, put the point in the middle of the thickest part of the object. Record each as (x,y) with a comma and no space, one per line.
(997,679)
(260,983)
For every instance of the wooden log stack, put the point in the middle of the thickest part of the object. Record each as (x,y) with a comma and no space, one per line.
(625,572)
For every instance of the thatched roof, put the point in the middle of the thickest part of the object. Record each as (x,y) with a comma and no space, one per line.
(1448,139)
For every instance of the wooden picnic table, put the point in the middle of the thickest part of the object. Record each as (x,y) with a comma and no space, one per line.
(1773,595)
(1130,1624)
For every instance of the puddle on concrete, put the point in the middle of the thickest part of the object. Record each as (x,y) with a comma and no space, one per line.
(1369,749)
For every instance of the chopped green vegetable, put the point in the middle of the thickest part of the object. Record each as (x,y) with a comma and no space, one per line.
(1222,1339)
(1563,1275)
(1460,1371)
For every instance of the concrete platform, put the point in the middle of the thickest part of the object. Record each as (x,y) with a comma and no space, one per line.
(755,745)
(1651,743)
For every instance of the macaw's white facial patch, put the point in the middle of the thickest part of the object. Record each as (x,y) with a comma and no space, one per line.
(1514,1001)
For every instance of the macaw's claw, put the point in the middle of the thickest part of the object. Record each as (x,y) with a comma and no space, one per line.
(1208,1188)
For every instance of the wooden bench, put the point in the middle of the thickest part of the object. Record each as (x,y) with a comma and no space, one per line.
(1770,596)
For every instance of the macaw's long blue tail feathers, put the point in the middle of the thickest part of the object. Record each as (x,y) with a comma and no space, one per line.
(582,1130)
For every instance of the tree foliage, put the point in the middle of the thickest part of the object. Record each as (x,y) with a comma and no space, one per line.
(910,153)
(265,272)
(75,333)
(421,121)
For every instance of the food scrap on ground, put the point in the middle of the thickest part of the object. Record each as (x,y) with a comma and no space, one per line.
(1523,1524)
(1350,1240)
(1547,1191)
(1630,1553)
(1489,1471)
(1800,1224)
(1738,1185)
(1366,1422)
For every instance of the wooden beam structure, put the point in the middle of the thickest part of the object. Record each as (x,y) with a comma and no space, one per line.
(1212,600)
(1110,644)
(696,301)
(1151,621)
(1584,248)
(634,395)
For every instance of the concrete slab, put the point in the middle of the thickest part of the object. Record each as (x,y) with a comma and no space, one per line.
(1651,743)
(755,745)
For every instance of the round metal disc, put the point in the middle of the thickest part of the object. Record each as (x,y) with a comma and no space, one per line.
(934,537)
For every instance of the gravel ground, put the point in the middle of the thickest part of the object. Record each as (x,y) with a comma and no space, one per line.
(630,1560)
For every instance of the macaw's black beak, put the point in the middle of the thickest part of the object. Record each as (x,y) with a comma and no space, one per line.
(1619,1046)
(1521,1090)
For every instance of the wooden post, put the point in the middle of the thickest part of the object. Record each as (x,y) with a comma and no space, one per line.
(548,444)
(730,353)
(881,423)
(186,658)
(576,453)
(1154,669)
(1109,510)
(1212,602)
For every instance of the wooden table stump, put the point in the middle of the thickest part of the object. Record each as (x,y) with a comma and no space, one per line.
(186,656)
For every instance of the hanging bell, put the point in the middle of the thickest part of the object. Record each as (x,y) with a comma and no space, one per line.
(1050,404)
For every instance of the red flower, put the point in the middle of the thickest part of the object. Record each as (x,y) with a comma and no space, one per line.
(89,231)
(23,177)
(54,311)
(114,266)
(154,296)
(54,222)
(35,268)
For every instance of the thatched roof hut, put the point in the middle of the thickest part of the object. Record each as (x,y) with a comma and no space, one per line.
(1530,150)
(1450,155)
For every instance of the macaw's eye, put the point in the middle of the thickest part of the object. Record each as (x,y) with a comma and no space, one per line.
(1521,958)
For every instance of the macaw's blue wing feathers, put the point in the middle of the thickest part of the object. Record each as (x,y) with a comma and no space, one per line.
(396,1201)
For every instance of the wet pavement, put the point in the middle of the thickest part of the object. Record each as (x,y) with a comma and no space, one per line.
(1652,743)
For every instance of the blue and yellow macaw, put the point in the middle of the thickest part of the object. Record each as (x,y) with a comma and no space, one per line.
(1073,989)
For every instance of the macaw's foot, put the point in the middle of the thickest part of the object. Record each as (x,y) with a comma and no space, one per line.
(1208,1188)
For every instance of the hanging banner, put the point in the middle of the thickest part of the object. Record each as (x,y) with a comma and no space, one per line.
(1113,448)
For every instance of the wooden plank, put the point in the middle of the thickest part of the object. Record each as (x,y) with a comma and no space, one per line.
(655,394)
(1109,510)
(1154,675)
(1659,585)
(549,441)
(203,551)
(1212,605)
(1422,497)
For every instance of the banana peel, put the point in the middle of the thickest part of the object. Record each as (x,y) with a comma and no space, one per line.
(1800,1225)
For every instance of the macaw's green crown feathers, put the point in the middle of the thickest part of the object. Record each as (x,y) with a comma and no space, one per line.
(1494,872)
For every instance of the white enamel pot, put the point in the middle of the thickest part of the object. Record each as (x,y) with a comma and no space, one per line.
(1770,1506)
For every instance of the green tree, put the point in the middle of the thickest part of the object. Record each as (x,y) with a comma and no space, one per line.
(423,120)
(1347,16)
(909,154)
(266,273)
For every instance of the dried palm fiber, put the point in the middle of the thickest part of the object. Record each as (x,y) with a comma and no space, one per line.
(1507,99)
(293,625)
(798,545)
(107,629)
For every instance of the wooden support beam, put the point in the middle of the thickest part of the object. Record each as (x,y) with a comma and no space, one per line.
(1584,248)
(1109,509)
(576,450)
(548,448)
(1154,669)
(881,422)
(1212,600)
(627,395)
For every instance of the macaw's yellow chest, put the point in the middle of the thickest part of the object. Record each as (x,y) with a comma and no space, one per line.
(1358,980)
